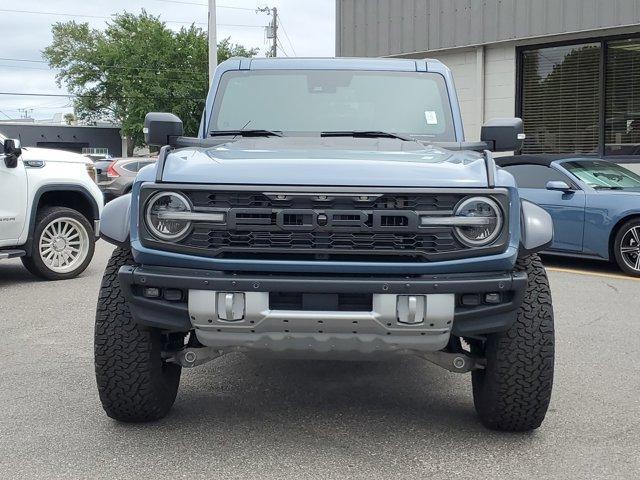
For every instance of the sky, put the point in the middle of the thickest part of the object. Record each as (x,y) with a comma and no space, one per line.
(309,24)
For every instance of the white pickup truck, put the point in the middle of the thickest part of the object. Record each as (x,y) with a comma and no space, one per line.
(50,209)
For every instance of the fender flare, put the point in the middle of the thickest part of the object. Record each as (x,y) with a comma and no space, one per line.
(115,222)
(58,187)
(536,228)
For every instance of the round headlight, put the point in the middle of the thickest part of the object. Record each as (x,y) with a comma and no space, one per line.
(486,228)
(165,215)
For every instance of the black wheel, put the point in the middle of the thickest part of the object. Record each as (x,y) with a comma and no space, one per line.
(512,393)
(134,382)
(626,247)
(63,244)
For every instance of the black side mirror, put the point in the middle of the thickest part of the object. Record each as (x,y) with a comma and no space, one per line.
(161,129)
(503,134)
(12,152)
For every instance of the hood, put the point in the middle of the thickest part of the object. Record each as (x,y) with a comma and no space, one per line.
(327,161)
(51,155)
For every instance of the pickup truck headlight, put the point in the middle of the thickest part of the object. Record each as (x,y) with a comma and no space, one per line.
(167,216)
(486,225)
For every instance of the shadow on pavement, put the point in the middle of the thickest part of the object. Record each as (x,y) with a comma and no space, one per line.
(581,264)
(304,401)
(12,272)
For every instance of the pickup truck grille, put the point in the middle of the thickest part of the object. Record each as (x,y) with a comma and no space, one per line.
(323,226)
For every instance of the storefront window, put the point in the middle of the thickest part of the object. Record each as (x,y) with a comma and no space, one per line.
(560,99)
(622,127)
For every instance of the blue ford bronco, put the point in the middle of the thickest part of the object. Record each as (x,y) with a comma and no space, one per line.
(327,209)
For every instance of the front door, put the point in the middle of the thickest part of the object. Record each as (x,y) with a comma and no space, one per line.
(566,209)
(13,202)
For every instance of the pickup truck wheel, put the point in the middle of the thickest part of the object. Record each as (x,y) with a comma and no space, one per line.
(512,393)
(626,247)
(134,382)
(63,244)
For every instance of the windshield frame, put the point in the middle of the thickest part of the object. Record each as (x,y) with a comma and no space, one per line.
(584,164)
(451,134)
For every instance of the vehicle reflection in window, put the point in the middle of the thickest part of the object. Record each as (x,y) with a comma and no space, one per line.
(603,175)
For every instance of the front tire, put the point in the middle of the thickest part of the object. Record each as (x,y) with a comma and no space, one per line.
(63,244)
(134,382)
(513,392)
(626,247)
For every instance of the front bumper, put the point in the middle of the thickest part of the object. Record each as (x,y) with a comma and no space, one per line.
(263,324)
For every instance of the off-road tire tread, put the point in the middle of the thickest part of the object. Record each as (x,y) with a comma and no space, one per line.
(134,383)
(33,263)
(513,392)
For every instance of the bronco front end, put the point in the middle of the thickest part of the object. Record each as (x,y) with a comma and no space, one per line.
(342,216)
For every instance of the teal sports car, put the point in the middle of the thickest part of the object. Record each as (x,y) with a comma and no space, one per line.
(594,203)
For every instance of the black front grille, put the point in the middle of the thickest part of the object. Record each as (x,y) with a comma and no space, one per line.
(318,226)
(417,202)
(235,244)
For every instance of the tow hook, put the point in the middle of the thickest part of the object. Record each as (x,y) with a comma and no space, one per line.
(192,357)
(454,362)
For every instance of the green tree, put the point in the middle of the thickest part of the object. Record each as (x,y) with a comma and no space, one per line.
(69,118)
(134,66)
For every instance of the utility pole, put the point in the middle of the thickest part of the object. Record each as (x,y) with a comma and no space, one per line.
(272,29)
(213,44)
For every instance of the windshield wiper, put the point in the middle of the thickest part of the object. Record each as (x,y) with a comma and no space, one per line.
(366,134)
(607,187)
(245,133)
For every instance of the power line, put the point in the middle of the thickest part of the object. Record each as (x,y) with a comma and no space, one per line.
(287,36)
(46,105)
(180,74)
(124,97)
(22,60)
(36,107)
(75,15)
(282,48)
(177,80)
(163,69)
(24,68)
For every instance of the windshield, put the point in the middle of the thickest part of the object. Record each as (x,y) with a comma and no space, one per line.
(604,175)
(315,101)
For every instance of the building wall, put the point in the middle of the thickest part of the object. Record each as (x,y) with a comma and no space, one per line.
(500,81)
(377,28)
(56,136)
(463,64)
(485,79)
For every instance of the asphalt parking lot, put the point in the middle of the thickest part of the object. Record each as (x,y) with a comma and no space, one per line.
(239,417)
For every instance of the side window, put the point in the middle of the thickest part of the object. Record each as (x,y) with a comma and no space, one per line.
(143,164)
(535,176)
(131,166)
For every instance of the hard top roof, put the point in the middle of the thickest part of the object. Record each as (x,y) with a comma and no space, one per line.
(539,159)
(297,63)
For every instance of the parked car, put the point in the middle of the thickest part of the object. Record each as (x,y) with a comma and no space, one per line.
(330,225)
(101,165)
(50,209)
(118,177)
(595,205)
